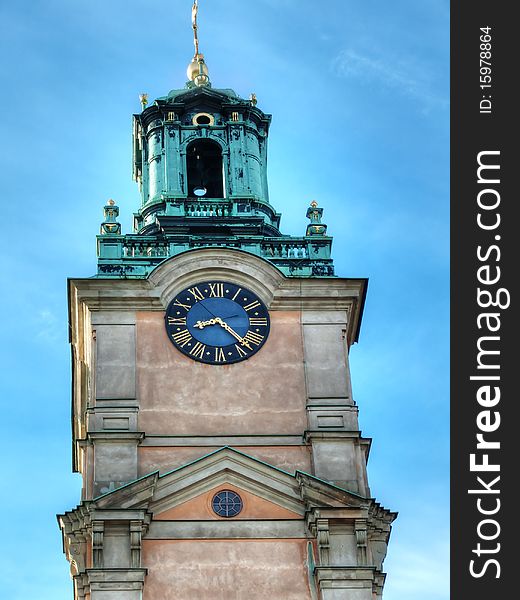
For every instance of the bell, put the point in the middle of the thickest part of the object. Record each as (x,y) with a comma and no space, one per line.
(200,191)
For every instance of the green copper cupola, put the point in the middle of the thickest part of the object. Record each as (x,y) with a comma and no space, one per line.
(200,162)
(204,144)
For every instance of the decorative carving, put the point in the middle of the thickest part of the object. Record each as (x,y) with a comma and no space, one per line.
(76,556)
(98,528)
(135,544)
(119,269)
(323,270)
(83,529)
(378,539)
(323,539)
(361,541)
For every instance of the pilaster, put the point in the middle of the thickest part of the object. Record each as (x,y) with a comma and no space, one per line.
(115,459)
(173,157)
(340,457)
(115,584)
(349,565)
(345,583)
(104,551)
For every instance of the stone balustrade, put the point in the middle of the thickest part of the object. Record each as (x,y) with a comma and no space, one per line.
(212,208)
(136,256)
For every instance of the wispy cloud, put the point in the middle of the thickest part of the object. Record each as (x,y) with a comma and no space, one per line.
(403,76)
(416,573)
(48,328)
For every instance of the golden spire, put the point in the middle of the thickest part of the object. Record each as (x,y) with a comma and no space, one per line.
(194,12)
(197,69)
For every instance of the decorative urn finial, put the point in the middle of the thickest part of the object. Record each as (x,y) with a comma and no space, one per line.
(110,226)
(314,214)
(143,99)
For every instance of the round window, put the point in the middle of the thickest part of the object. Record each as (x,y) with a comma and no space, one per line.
(203,119)
(226,503)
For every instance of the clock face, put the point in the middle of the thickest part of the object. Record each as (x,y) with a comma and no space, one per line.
(217,322)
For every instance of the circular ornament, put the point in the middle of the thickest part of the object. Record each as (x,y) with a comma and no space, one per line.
(226,503)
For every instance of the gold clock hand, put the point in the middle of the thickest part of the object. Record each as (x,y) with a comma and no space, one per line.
(233,333)
(202,324)
(219,321)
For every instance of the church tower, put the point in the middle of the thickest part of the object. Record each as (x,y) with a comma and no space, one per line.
(213,421)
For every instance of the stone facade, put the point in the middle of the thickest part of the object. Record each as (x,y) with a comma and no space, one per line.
(156,434)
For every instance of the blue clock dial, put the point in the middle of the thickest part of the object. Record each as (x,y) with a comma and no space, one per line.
(217,322)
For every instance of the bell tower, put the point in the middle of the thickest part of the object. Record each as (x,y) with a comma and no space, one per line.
(201,142)
(213,421)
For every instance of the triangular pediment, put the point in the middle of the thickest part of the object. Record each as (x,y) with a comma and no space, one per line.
(253,506)
(268,492)
(265,487)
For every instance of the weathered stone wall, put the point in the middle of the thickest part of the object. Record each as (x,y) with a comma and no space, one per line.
(263,395)
(164,459)
(224,569)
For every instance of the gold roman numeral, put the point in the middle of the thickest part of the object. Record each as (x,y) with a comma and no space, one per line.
(261,321)
(240,351)
(254,304)
(196,293)
(176,302)
(253,338)
(216,290)
(219,355)
(238,292)
(198,350)
(182,337)
(176,321)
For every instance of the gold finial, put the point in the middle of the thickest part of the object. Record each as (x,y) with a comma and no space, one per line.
(194,12)
(253,99)
(197,69)
(111,202)
(143,99)
(314,204)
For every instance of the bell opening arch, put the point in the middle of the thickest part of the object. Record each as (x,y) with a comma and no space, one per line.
(205,169)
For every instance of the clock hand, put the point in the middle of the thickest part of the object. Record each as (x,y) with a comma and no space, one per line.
(232,316)
(215,316)
(233,333)
(207,309)
(202,324)
(219,321)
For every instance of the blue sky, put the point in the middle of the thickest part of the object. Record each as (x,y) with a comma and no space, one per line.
(359,96)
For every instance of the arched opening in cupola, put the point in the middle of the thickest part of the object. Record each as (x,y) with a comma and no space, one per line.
(205,169)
